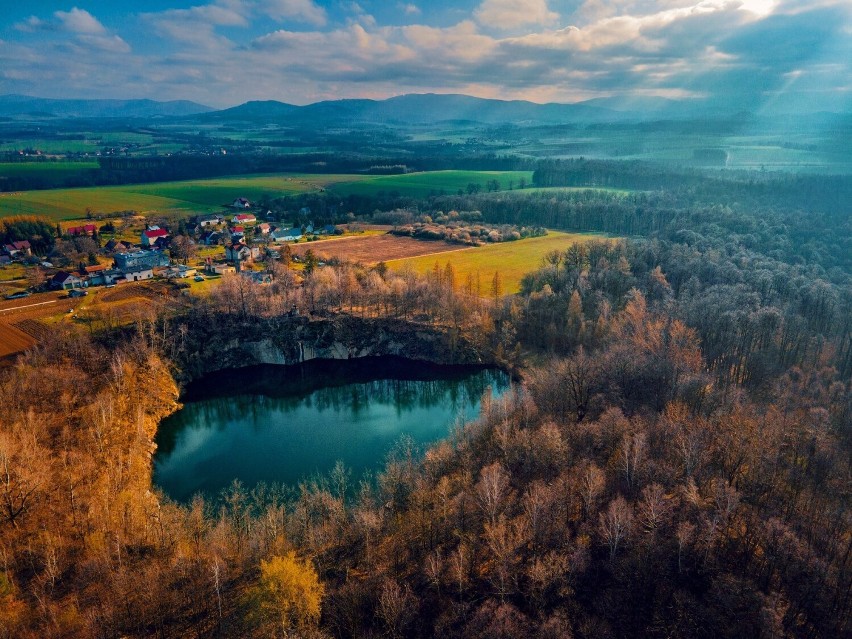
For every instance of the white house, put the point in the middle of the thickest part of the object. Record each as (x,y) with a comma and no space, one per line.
(138,275)
(241,203)
(288,235)
(244,218)
(238,251)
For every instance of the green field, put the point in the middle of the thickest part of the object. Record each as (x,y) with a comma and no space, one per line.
(194,196)
(512,260)
(424,184)
(191,196)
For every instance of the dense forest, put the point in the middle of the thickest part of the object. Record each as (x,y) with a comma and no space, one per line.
(675,462)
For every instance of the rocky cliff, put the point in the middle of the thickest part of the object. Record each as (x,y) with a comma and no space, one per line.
(217,342)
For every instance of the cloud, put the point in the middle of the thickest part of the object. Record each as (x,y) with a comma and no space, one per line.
(109,44)
(410,9)
(79,21)
(724,49)
(301,10)
(509,14)
(32,24)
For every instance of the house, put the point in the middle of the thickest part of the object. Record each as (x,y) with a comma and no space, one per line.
(209,220)
(18,249)
(65,281)
(86,229)
(264,228)
(162,243)
(150,236)
(91,270)
(139,274)
(106,276)
(328,229)
(241,203)
(133,260)
(180,271)
(289,235)
(244,218)
(210,238)
(220,269)
(241,252)
(237,232)
(117,246)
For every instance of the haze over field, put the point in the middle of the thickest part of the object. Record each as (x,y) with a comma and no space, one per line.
(766,56)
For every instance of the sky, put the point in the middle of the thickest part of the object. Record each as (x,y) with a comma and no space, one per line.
(755,54)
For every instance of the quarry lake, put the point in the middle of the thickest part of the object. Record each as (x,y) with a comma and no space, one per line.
(281,424)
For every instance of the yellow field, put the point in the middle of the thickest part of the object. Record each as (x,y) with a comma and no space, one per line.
(512,260)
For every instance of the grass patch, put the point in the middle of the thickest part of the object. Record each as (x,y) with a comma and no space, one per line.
(512,260)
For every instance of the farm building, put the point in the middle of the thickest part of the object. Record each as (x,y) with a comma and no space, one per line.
(288,235)
(106,276)
(241,203)
(138,275)
(18,249)
(244,218)
(209,220)
(150,237)
(87,229)
(220,269)
(65,281)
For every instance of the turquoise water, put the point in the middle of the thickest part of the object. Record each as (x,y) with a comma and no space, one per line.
(283,424)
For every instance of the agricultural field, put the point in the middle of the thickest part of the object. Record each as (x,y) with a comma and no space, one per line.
(512,260)
(185,197)
(24,321)
(372,249)
(431,182)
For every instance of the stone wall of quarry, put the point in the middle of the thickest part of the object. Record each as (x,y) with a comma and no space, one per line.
(217,342)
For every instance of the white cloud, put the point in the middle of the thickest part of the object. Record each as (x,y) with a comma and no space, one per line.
(410,9)
(79,21)
(32,24)
(301,10)
(509,14)
(109,44)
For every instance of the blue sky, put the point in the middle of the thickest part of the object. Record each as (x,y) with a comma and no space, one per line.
(758,54)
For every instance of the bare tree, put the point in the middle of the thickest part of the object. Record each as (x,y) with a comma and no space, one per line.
(491,491)
(616,524)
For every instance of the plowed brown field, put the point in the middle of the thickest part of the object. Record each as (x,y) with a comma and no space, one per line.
(371,249)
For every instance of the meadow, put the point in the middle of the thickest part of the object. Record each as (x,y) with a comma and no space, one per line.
(431,182)
(512,260)
(187,197)
(195,196)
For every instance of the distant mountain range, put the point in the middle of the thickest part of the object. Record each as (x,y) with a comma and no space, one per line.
(24,105)
(411,109)
(427,108)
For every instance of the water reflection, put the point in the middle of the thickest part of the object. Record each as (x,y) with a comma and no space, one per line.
(281,424)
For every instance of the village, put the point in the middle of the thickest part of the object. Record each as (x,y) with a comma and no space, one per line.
(250,245)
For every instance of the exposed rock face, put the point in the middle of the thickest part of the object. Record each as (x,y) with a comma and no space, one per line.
(221,342)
